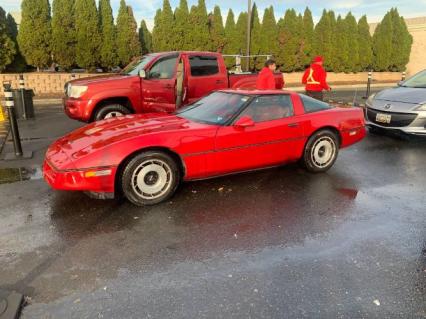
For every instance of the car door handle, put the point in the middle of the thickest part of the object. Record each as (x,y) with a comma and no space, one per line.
(219,82)
(293,125)
(168,86)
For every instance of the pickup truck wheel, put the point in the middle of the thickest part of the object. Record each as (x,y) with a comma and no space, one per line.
(150,178)
(321,151)
(111,110)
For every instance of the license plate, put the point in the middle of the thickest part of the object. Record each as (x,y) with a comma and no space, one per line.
(383,118)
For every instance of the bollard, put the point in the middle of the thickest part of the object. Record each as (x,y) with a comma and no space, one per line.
(403,76)
(10,105)
(73,76)
(238,64)
(370,78)
(22,89)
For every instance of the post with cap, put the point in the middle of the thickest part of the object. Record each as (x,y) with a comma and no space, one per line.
(403,76)
(22,91)
(10,105)
(370,79)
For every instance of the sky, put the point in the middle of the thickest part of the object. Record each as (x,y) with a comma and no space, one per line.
(374,9)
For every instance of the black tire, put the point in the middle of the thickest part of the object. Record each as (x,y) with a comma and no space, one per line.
(159,167)
(321,151)
(108,110)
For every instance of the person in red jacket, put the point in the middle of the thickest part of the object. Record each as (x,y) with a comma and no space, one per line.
(266,79)
(315,79)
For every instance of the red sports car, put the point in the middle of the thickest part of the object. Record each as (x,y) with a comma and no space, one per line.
(145,157)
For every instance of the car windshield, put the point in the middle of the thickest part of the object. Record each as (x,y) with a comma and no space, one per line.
(417,81)
(216,108)
(136,65)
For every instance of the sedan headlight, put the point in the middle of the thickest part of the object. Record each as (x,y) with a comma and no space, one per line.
(75,91)
(421,108)
(371,99)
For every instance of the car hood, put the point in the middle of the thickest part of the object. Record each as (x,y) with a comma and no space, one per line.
(100,79)
(403,95)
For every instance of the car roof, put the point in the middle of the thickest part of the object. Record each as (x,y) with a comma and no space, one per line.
(257,92)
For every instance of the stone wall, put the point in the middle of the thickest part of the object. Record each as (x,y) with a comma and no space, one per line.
(41,83)
(53,83)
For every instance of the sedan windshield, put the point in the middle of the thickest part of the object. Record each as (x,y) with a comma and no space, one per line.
(138,64)
(417,81)
(216,108)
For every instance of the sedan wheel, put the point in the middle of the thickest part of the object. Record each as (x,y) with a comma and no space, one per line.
(321,151)
(150,178)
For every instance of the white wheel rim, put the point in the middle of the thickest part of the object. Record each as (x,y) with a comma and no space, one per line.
(113,114)
(152,179)
(323,152)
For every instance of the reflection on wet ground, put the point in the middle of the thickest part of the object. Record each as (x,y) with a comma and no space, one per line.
(338,241)
(12,175)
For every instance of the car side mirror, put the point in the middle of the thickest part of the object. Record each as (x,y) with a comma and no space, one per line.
(142,74)
(244,121)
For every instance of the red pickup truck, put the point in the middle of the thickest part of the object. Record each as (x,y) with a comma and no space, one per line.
(158,82)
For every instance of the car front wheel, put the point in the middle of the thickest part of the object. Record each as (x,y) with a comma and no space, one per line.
(321,151)
(150,178)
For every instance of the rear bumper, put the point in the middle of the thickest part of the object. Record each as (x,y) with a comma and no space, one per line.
(77,109)
(353,136)
(77,180)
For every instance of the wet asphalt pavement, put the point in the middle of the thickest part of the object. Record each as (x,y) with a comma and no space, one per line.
(279,243)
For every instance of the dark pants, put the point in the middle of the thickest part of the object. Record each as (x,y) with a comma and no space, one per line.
(318,95)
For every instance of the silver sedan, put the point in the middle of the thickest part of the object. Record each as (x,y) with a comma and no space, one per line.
(402,108)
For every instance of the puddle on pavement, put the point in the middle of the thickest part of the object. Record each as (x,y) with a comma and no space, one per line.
(13,175)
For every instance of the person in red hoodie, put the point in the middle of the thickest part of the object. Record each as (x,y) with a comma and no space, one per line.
(266,79)
(315,79)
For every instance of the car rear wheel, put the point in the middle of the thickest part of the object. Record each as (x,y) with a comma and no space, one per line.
(321,151)
(150,178)
(110,111)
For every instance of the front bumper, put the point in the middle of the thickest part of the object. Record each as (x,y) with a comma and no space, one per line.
(77,109)
(80,179)
(413,123)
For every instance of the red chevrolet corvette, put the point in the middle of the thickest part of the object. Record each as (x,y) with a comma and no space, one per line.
(145,157)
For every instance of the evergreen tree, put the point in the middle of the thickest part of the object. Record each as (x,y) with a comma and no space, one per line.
(145,38)
(7,45)
(230,38)
(382,44)
(34,36)
(19,64)
(108,52)
(256,38)
(163,35)
(157,39)
(88,37)
(308,38)
(217,31)
(128,45)
(365,43)
(199,35)
(341,58)
(269,33)
(182,26)
(289,39)
(351,30)
(324,39)
(241,33)
(401,42)
(63,33)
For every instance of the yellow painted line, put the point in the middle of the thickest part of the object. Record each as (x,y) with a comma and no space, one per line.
(2,117)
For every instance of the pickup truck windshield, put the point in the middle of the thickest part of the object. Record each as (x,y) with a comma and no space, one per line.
(216,108)
(136,65)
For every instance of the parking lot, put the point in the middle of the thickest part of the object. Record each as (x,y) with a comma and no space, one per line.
(278,243)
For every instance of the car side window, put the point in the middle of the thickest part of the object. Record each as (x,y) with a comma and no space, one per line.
(203,65)
(313,105)
(164,68)
(269,107)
